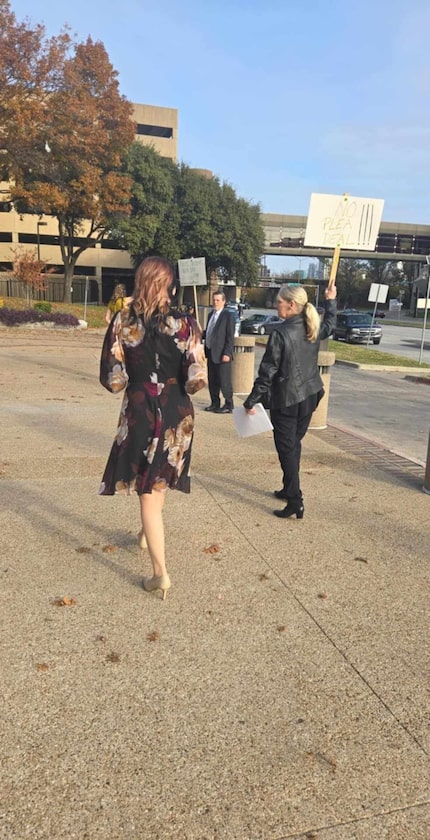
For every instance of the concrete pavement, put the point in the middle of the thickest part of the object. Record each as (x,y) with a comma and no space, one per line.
(281,690)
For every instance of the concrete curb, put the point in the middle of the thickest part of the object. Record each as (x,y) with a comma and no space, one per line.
(387,368)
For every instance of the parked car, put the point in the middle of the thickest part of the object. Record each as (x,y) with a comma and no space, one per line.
(260,324)
(378,314)
(356,328)
(232,307)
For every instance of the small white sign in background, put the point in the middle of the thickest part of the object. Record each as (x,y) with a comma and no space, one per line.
(343,221)
(378,292)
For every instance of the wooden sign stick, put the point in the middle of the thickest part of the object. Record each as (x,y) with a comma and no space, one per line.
(196,308)
(334,265)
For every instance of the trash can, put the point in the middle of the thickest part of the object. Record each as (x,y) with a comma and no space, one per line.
(325,361)
(243,364)
(426,486)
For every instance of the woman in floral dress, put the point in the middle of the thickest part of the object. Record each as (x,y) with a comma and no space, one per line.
(156,354)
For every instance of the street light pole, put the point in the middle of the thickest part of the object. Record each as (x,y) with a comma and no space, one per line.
(425,312)
(38,226)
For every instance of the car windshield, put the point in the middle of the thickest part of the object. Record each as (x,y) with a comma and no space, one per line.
(359,320)
(256,318)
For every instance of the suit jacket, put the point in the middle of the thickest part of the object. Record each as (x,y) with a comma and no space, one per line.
(222,338)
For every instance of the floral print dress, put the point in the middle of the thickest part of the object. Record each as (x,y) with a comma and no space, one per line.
(159,364)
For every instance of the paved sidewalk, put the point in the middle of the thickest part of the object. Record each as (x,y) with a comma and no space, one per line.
(280,691)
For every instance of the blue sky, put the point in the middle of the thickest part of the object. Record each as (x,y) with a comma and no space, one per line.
(280,98)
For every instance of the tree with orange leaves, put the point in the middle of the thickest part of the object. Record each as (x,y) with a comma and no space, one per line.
(30,271)
(64,128)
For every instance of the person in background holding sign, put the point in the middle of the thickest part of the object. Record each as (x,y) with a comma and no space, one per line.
(289,383)
(219,342)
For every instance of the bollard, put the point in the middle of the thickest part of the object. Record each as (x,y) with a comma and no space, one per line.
(325,361)
(243,364)
(426,485)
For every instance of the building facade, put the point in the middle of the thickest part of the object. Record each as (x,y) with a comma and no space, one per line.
(105,264)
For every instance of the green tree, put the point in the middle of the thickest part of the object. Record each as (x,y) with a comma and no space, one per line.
(181,213)
(152,194)
(352,283)
(64,128)
(398,275)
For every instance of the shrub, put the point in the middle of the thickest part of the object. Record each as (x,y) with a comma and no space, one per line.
(16,317)
(43,306)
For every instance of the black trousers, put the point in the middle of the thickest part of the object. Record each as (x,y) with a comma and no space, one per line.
(219,379)
(289,428)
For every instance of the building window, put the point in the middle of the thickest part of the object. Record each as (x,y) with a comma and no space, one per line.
(154,130)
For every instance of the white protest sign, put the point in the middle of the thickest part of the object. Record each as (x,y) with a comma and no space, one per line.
(192,272)
(423,303)
(343,221)
(378,292)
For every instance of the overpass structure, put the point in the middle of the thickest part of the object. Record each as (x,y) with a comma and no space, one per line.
(284,236)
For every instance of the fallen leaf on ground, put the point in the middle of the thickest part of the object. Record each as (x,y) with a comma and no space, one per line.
(211,549)
(360,559)
(42,666)
(153,636)
(113,657)
(322,595)
(109,549)
(324,759)
(281,628)
(64,602)
(263,576)
(83,550)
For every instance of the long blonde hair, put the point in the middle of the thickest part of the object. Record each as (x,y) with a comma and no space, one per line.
(299,295)
(153,285)
(118,292)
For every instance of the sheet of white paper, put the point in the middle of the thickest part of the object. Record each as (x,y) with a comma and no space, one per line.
(251,424)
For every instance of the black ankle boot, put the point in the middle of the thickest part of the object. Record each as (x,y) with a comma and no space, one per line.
(290,510)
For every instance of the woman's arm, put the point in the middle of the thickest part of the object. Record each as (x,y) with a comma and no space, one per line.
(330,313)
(113,373)
(269,367)
(194,363)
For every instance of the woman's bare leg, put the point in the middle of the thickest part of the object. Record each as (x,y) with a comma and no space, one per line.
(151,510)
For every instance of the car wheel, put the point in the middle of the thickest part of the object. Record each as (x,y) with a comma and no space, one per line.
(376,340)
(262,330)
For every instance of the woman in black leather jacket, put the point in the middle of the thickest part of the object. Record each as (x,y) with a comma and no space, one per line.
(289,383)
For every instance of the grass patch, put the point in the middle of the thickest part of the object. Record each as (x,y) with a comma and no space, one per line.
(362,355)
(95,314)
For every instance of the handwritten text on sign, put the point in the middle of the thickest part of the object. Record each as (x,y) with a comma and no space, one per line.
(343,221)
(192,272)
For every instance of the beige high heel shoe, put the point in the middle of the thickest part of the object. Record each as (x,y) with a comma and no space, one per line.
(150,584)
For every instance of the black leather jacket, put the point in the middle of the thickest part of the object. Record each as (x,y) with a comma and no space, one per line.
(288,371)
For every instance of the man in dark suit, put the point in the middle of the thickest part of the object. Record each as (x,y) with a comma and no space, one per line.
(219,342)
